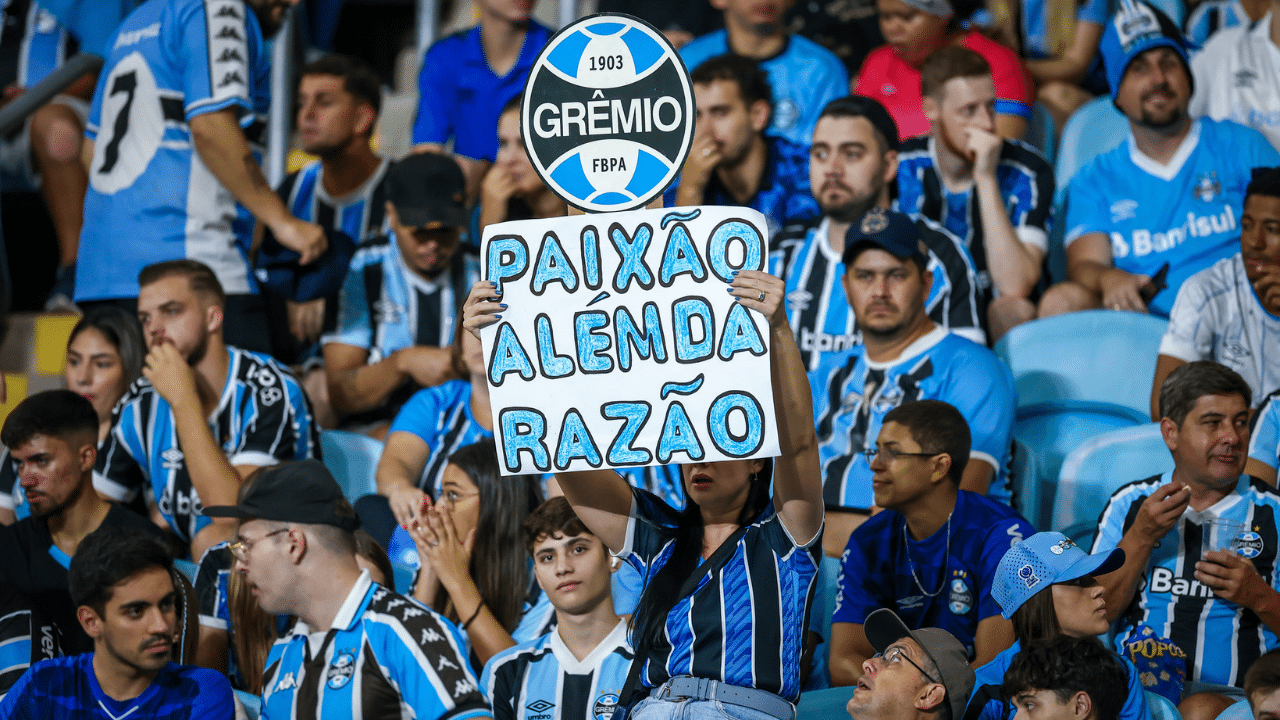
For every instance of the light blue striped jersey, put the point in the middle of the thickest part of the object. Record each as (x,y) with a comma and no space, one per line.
(263,418)
(1210,16)
(385,656)
(151,198)
(360,213)
(542,679)
(744,623)
(851,396)
(34,43)
(1186,213)
(1220,638)
(1264,438)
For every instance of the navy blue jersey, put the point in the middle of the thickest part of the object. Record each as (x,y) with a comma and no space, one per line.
(744,623)
(359,213)
(542,679)
(263,418)
(1173,603)
(1186,213)
(1026,189)
(783,196)
(169,62)
(987,690)
(942,581)
(68,688)
(804,77)
(459,96)
(385,656)
(851,396)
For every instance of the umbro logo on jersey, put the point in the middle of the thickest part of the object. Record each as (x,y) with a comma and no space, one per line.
(230,55)
(231,78)
(388,313)
(229,11)
(172,458)
(799,299)
(1123,210)
(1245,78)
(540,706)
(229,32)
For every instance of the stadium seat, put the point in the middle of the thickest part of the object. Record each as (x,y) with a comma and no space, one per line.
(1238,711)
(1041,133)
(1161,707)
(1092,130)
(825,704)
(1077,376)
(353,460)
(824,604)
(1099,467)
(251,703)
(1030,495)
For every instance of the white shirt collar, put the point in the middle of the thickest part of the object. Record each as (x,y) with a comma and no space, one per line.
(574,666)
(1170,171)
(347,613)
(926,341)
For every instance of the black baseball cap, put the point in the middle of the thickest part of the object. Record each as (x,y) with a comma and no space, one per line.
(889,230)
(884,628)
(294,492)
(428,189)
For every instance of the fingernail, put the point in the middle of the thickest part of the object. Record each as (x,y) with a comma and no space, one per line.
(493,284)
(735,273)
(502,305)
(497,317)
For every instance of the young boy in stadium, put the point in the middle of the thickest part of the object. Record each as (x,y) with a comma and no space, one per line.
(581,666)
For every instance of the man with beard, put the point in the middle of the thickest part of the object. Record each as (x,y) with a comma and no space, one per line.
(853,163)
(204,414)
(904,357)
(53,440)
(171,147)
(122,585)
(731,161)
(338,102)
(995,194)
(1166,202)
(401,297)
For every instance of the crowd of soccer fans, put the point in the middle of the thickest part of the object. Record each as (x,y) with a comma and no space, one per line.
(898,151)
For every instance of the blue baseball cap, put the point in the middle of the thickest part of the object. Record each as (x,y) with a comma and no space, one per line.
(1136,28)
(889,230)
(1042,560)
(279,271)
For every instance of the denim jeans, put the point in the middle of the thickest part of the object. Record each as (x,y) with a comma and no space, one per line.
(655,709)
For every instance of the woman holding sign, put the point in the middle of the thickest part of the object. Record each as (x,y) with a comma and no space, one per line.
(735,569)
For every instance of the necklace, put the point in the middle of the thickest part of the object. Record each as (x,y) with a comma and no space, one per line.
(946,555)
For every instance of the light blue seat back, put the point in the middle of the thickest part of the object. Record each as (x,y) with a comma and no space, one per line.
(826,704)
(824,605)
(1161,707)
(403,577)
(1077,376)
(1092,130)
(1239,711)
(1031,497)
(1041,132)
(252,704)
(353,460)
(1099,467)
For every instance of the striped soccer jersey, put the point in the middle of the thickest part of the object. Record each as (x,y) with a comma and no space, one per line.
(1173,603)
(385,656)
(542,679)
(360,213)
(263,418)
(1264,437)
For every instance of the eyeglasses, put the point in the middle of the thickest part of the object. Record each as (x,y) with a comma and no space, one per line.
(894,654)
(240,548)
(890,454)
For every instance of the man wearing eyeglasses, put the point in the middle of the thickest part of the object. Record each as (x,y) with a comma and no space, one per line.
(357,647)
(933,552)
(904,356)
(915,674)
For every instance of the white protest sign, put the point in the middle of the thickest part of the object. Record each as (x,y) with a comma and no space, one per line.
(620,345)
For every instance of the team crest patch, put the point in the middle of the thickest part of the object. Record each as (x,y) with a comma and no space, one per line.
(605,705)
(1207,186)
(874,221)
(1249,545)
(961,600)
(1061,547)
(341,670)
(1028,575)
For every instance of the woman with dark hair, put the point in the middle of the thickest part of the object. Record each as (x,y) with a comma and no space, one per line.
(1045,585)
(511,189)
(475,569)
(104,356)
(728,580)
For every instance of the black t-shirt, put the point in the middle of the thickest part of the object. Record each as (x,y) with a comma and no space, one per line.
(37,569)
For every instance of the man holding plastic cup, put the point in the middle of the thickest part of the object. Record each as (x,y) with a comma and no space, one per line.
(1200,541)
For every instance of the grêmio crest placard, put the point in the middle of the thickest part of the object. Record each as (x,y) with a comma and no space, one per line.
(607,114)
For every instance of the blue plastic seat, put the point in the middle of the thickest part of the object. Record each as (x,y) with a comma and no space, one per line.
(1031,497)
(1092,130)
(826,704)
(353,460)
(1099,467)
(1161,707)
(1041,132)
(252,704)
(824,606)
(403,577)
(1239,711)
(1077,376)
